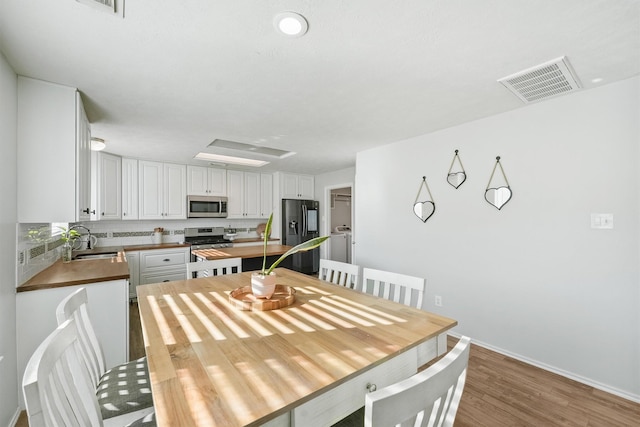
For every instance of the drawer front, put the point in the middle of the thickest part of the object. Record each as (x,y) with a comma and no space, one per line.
(346,398)
(146,279)
(156,259)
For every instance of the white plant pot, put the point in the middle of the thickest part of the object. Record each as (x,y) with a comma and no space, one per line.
(263,286)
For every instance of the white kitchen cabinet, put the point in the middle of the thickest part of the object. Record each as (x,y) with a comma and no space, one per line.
(109,187)
(53,154)
(244,194)
(163,265)
(162,190)
(294,186)
(129,189)
(203,181)
(266,195)
(108,311)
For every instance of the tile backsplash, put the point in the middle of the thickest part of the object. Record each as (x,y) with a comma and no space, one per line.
(38,245)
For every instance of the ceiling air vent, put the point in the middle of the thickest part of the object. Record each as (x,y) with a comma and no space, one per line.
(544,81)
(110,6)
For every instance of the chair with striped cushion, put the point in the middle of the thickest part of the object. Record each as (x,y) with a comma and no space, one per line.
(123,391)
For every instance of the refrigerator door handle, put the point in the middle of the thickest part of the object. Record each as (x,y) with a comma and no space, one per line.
(304,220)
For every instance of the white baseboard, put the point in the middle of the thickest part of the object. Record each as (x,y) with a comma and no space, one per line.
(600,386)
(14,420)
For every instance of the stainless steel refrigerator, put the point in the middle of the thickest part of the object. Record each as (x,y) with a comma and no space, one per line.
(300,222)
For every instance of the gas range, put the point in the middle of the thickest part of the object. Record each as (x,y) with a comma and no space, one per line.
(206,238)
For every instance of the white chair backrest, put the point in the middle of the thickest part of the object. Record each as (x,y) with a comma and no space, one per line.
(216,267)
(339,273)
(55,384)
(76,306)
(394,286)
(428,398)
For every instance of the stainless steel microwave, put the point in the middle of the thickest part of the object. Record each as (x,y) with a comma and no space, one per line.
(206,207)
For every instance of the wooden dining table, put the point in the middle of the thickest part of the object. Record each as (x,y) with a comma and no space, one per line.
(309,363)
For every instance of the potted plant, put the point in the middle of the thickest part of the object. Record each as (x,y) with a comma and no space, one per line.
(263,282)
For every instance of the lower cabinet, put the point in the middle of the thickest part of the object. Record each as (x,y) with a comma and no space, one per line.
(108,310)
(157,265)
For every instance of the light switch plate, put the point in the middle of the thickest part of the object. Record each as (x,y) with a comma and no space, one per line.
(601,221)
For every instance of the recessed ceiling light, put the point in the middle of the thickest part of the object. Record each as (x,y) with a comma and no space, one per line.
(597,80)
(97,144)
(230,159)
(290,24)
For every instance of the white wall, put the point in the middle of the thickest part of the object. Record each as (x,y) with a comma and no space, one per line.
(532,279)
(8,371)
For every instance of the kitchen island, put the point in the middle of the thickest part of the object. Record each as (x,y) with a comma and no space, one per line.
(251,255)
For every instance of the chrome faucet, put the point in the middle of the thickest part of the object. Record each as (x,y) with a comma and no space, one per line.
(75,227)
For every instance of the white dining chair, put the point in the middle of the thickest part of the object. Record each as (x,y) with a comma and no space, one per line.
(57,387)
(428,398)
(123,391)
(394,286)
(339,273)
(217,267)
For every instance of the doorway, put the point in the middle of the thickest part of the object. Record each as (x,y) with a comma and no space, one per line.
(339,214)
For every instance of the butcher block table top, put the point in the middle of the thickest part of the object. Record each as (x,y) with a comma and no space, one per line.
(214,365)
(240,252)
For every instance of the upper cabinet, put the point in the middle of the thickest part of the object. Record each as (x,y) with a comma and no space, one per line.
(293,186)
(54,157)
(246,192)
(162,190)
(109,176)
(203,181)
(266,195)
(129,189)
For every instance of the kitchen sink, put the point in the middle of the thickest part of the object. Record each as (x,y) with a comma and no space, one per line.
(96,256)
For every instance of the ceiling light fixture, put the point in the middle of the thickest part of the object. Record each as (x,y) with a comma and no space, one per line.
(230,159)
(290,24)
(97,144)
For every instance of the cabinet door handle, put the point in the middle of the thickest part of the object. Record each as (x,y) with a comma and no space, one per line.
(166,260)
(371,387)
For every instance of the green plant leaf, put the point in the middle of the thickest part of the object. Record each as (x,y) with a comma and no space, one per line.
(267,232)
(304,246)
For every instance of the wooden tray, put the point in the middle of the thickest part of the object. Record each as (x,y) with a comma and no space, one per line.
(243,299)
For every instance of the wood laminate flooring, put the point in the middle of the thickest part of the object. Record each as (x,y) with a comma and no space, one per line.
(500,391)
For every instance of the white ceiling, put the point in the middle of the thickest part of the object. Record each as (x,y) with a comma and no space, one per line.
(171,76)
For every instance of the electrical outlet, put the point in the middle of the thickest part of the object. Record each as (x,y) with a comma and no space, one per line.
(438,301)
(109,234)
(171,232)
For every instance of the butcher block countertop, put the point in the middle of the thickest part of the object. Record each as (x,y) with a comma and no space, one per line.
(240,252)
(83,271)
(78,272)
